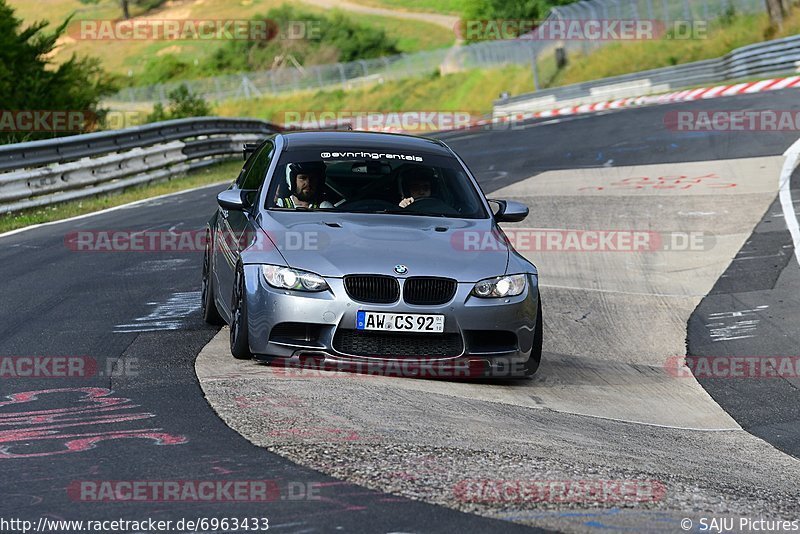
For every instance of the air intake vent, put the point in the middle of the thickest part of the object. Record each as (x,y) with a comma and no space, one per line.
(372,288)
(429,291)
(377,344)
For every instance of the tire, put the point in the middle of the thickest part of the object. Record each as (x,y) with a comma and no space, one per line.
(240,344)
(532,364)
(211,313)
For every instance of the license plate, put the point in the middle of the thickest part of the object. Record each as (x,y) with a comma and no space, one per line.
(400,322)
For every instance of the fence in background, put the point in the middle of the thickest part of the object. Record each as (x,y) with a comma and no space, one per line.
(481,55)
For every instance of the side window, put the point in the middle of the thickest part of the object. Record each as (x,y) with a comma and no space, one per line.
(255,175)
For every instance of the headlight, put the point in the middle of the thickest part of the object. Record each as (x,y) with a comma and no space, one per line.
(502,286)
(286,278)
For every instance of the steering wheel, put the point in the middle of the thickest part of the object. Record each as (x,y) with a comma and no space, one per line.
(424,200)
(431,204)
(366,204)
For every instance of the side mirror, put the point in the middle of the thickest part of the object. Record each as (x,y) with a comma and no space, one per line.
(232,199)
(510,211)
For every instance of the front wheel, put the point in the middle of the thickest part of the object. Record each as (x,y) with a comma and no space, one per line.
(211,314)
(240,344)
(538,337)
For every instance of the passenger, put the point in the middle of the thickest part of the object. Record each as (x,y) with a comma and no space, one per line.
(416,182)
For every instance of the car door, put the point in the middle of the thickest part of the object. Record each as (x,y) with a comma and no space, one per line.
(236,228)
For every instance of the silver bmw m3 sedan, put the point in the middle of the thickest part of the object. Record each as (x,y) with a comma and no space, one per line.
(369,251)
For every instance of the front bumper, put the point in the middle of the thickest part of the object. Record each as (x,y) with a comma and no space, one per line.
(475,323)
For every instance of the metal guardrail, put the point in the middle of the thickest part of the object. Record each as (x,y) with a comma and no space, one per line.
(780,56)
(40,173)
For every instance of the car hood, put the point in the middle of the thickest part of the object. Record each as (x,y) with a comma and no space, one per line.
(334,245)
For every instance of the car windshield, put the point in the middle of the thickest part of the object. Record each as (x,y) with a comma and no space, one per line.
(358,182)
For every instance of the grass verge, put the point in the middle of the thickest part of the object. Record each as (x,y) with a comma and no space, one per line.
(217,173)
(624,58)
(471,91)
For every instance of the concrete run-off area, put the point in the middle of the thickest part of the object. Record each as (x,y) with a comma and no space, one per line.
(611,405)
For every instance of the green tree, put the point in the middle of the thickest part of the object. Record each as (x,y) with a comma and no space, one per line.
(330,38)
(182,104)
(28,80)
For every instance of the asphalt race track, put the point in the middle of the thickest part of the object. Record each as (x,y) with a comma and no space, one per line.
(167,402)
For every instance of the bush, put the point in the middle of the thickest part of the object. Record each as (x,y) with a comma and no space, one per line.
(330,38)
(182,104)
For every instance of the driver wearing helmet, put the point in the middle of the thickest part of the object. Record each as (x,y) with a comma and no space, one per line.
(305,183)
(416,182)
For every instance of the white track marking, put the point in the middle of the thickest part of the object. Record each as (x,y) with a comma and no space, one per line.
(792,160)
(167,315)
(121,206)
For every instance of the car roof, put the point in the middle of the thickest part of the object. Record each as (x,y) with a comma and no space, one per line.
(349,140)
